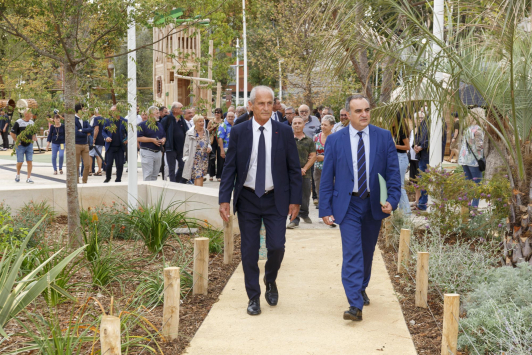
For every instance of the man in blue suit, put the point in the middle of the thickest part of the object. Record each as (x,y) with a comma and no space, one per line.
(263,173)
(350,195)
(115,135)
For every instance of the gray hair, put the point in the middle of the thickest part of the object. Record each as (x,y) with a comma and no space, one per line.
(176,104)
(354,97)
(152,109)
(329,111)
(260,87)
(330,119)
(283,106)
(290,108)
(240,110)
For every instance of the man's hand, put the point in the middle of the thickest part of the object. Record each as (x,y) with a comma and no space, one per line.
(108,139)
(225,211)
(222,153)
(156,141)
(293,211)
(303,171)
(328,220)
(387,208)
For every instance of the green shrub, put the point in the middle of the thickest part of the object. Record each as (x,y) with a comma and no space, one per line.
(150,291)
(109,221)
(31,213)
(454,268)
(154,224)
(216,239)
(499,313)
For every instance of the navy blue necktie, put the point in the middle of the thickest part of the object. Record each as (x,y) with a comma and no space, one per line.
(361,164)
(260,178)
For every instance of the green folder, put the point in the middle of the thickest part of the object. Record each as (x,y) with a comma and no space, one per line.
(384,190)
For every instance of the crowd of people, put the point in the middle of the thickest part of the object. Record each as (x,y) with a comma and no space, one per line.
(185,147)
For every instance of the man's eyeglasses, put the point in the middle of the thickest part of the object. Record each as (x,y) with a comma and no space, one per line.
(303,111)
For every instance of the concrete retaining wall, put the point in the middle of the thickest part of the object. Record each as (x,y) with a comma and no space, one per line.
(199,202)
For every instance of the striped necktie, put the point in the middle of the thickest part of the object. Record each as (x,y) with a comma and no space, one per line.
(361,164)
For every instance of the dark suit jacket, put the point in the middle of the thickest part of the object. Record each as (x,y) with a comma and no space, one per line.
(286,170)
(280,117)
(172,143)
(243,118)
(121,126)
(337,176)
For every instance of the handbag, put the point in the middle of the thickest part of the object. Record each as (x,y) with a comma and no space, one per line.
(481,162)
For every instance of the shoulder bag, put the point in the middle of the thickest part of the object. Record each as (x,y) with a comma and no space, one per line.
(481,162)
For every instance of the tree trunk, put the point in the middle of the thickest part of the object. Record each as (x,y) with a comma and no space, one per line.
(74,230)
(494,161)
(388,73)
(3,87)
(360,63)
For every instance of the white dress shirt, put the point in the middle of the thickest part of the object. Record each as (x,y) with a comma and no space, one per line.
(276,116)
(252,172)
(338,126)
(189,123)
(354,137)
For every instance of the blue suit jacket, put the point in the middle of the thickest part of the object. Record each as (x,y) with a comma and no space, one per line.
(337,177)
(286,171)
(121,126)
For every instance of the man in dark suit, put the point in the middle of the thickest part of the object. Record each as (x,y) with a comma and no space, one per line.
(262,168)
(176,128)
(115,135)
(245,117)
(277,115)
(350,195)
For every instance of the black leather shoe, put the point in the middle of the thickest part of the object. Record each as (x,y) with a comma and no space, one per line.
(107,180)
(353,314)
(254,307)
(365,297)
(272,294)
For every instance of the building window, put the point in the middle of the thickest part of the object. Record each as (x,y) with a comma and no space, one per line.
(159,87)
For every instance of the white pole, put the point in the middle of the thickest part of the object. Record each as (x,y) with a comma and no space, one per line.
(132,187)
(245,54)
(237,73)
(435,145)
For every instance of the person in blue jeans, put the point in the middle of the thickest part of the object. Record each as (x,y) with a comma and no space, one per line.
(472,148)
(25,145)
(421,147)
(56,137)
(402,145)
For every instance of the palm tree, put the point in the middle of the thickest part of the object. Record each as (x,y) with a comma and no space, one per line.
(486,45)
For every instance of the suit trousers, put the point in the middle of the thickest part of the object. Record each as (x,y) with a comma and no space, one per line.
(5,139)
(82,152)
(304,209)
(252,210)
(115,154)
(359,232)
(172,157)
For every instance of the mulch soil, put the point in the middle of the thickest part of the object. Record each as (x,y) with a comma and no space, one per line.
(424,328)
(136,261)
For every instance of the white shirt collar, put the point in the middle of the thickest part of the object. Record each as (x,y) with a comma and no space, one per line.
(267,126)
(354,132)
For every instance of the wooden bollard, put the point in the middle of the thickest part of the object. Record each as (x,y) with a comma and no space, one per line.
(110,335)
(422,279)
(172,298)
(201,266)
(229,245)
(404,250)
(388,232)
(451,312)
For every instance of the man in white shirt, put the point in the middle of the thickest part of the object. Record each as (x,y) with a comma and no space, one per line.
(262,168)
(344,121)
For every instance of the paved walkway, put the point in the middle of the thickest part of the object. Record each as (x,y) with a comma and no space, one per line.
(308,319)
